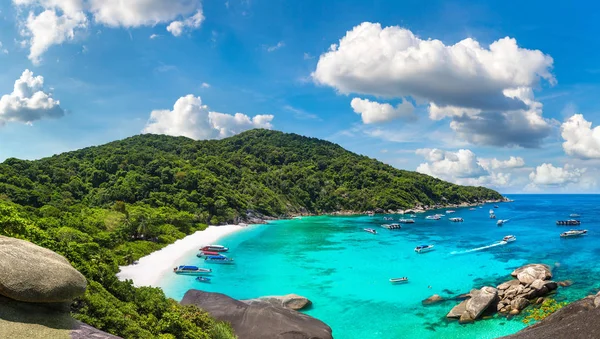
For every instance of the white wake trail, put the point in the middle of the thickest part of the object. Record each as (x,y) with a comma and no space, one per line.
(498,243)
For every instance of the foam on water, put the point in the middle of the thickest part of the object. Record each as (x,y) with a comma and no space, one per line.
(498,243)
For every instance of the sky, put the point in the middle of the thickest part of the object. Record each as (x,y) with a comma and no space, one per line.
(502,94)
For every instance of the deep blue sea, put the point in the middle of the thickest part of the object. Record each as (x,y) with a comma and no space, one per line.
(345,271)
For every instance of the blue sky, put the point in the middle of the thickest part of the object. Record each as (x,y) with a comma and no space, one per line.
(513,115)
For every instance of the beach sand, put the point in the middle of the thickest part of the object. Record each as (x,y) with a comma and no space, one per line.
(149,270)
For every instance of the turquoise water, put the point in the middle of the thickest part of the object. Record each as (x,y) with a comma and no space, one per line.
(345,270)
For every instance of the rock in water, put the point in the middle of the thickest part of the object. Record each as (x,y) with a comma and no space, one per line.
(519,304)
(458,310)
(480,301)
(258,320)
(34,274)
(436,298)
(529,273)
(291,301)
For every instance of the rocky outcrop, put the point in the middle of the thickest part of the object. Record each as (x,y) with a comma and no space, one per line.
(258,320)
(436,298)
(34,274)
(291,301)
(578,320)
(510,297)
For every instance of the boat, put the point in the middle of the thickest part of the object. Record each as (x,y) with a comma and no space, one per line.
(433,217)
(297,217)
(491,211)
(406,221)
(214,248)
(398,280)
(243,224)
(370,230)
(450,211)
(203,254)
(573,233)
(388,219)
(574,215)
(218,259)
(392,226)
(370,213)
(456,219)
(423,248)
(570,222)
(472,209)
(203,279)
(191,270)
(495,206)
(412,215)
(509,238)
(502,222)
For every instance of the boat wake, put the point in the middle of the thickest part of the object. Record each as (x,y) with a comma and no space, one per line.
(497,243)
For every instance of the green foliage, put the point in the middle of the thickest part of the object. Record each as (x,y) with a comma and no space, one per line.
(540,312)
(106,206)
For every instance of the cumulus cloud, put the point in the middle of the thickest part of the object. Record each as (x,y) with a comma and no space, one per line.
(581,140)
(374,112)
(548,175)
(275,47)
(474,85)
(29,102)
(53,22)
(512,162)
(190,118)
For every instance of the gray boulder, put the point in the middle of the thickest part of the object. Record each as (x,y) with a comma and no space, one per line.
(458,310)
(506,285)
(34,274)
(480,301)
(519,304)
(291,301)
(529,273)
(436,298)
(258,320)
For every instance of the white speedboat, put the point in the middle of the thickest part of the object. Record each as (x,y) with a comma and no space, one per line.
(509,238)
(398,280)
(191,270)
(450,211)
(423,248)
(214,248)
(472,209)
(574,215)
(392,226)
(433,217)
(456,219)
(370,230)
(502,222)
(573,233)
(406,221)
(412,215)
(218,259)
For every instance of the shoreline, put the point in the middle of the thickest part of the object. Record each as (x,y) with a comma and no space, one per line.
(150,269)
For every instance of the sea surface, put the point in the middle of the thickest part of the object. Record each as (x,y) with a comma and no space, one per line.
(345,270)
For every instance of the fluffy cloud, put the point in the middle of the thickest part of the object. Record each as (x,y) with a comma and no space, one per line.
(494,164)
(190,118)
(275,47)
(3,50)
(473,85)
(53,22)
(548,175)
(374,112)
(28,102)
(581,140)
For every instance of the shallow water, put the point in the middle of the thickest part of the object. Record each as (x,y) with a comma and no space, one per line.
(345,271)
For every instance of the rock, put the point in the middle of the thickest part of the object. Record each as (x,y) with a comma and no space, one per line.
(543,287)
(465,318)
(538,284)
(457,310)
(291,301)
(258,320)
(529,273)
(34,274)
(597,301)
(539,300)
(519,304)
(480,300)
(506,285)
(436,298)
(514,312)
(565,283)
(19,320)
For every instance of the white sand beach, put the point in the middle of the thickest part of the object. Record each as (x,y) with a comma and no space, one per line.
(152,267)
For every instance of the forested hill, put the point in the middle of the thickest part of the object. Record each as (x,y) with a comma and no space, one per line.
(270,172)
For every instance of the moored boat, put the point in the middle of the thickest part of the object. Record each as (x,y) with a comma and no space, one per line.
(370,230)
(398,280)
(191,270)
(433,217)
(495,206)
(423,248)
(214,248)
(574,215)
(392,226)
(203,279)
(509,238)
(472,209)
(203,254)
(406,221)
(573,233)
(450,211)
(218,259)
(570,222)
(502,222)
(412,215)
(456,219)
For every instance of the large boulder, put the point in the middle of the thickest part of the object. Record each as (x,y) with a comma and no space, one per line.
(436,298)
(508,284)
(458,310)
(480,301)
(291,301)
(529,273)
(258,320)
(34,274)
(519,303)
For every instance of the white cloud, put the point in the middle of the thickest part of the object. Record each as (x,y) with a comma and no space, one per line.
(190,118)
(276,47)
(307,56)
(475,86)
(154,36)
(374,112)
(53,22)
(3,50)
(581,140)
(28,102)
(205,85)
(548,175)
(494,164)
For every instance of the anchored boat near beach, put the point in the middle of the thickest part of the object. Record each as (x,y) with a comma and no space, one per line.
(573,233)
(398,280)
(191,270)
(214,248)
(370,230)
(456,219)
(218,259)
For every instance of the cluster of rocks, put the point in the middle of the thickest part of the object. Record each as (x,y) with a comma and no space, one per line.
(37,287)
(531,284)
(269,317)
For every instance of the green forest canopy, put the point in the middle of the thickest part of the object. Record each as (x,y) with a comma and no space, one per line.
(109,205)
